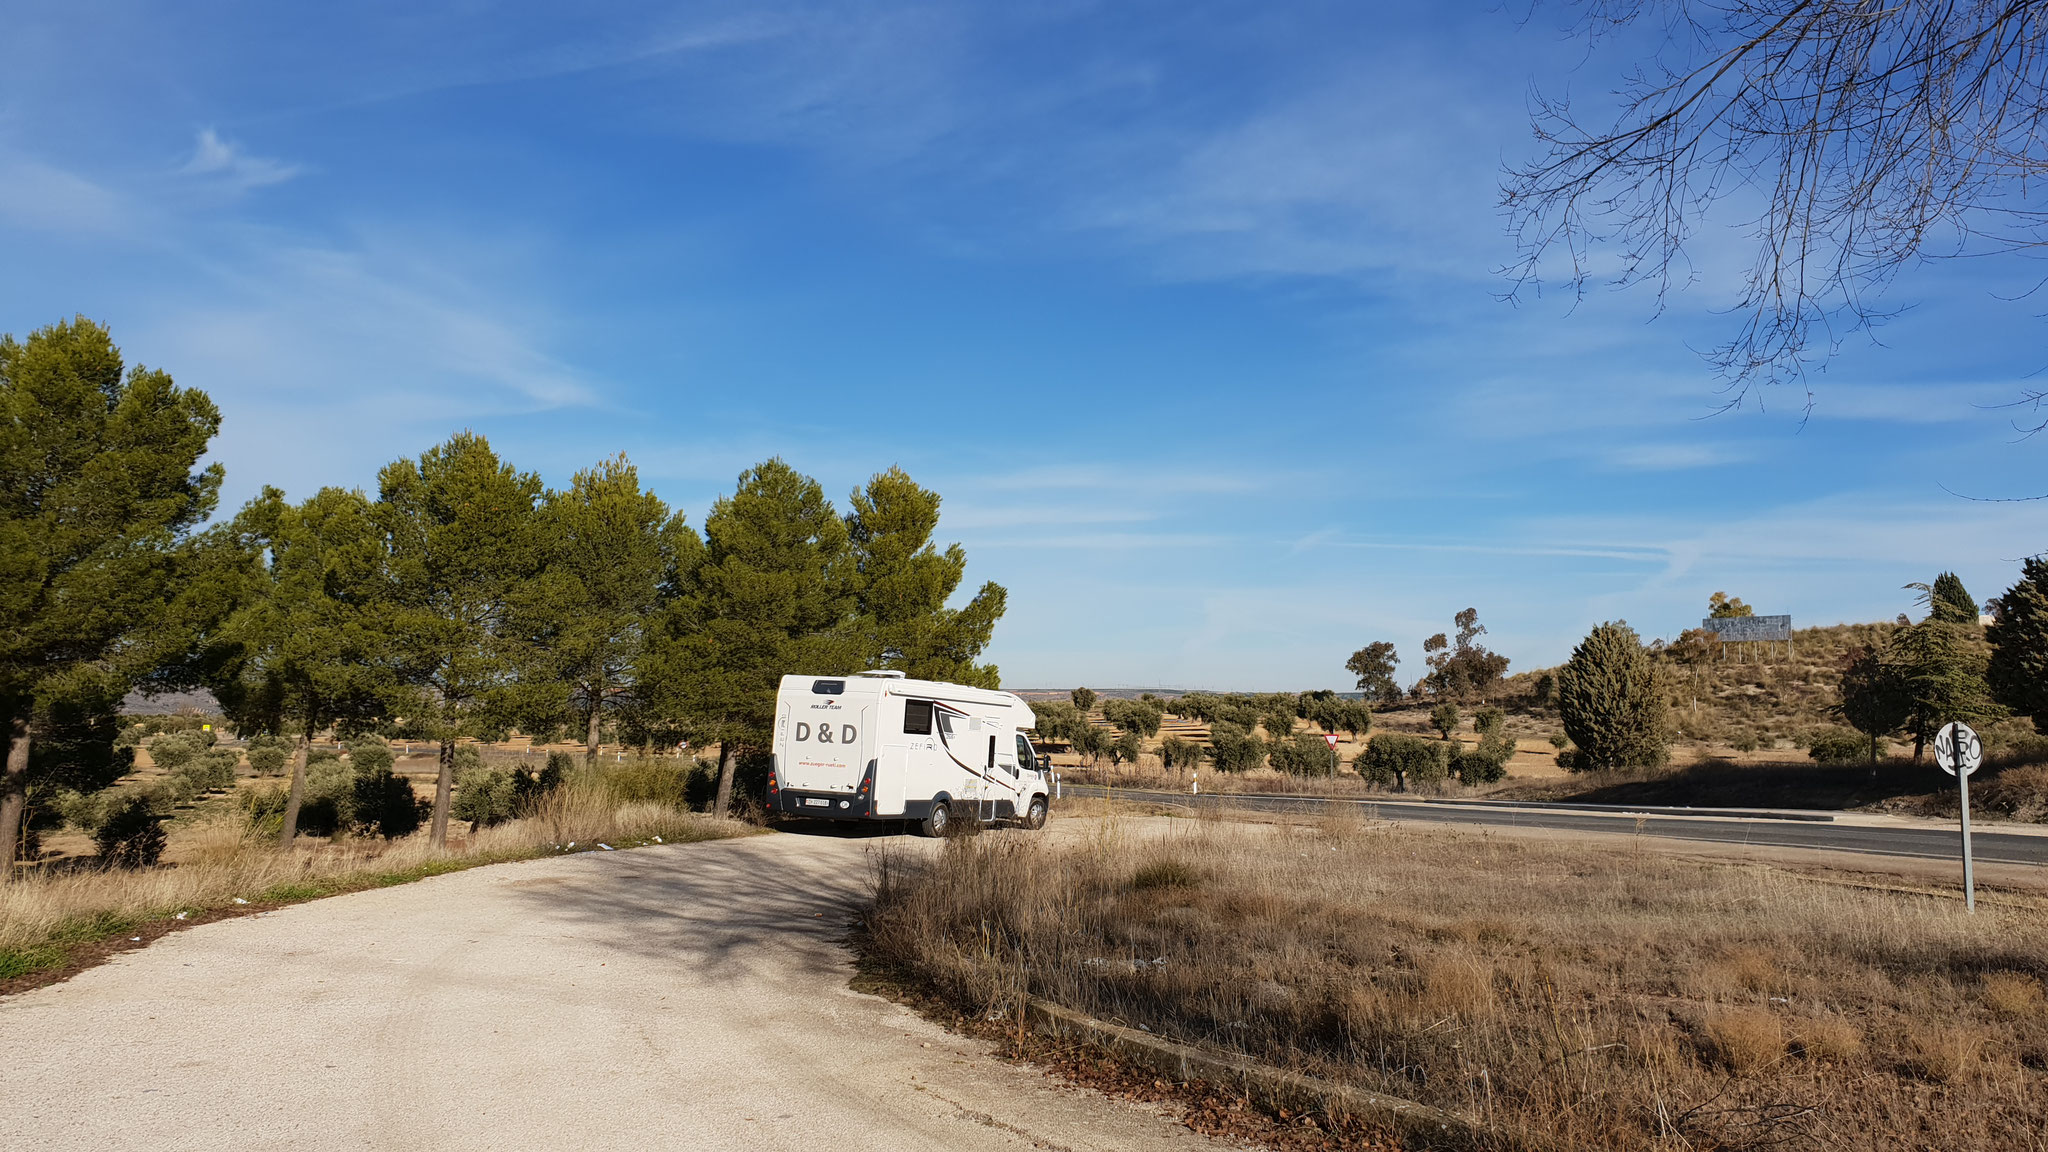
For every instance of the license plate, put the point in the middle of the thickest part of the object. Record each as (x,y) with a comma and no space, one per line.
(814,802)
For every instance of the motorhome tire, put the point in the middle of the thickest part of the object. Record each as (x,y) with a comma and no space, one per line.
(1034,816)
(939,820)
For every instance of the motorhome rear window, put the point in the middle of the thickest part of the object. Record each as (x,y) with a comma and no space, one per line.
(829,687)
(917,717)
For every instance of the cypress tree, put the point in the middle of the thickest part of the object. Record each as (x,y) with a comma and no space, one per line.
(1610,702)
(1948,601)
(2018,671)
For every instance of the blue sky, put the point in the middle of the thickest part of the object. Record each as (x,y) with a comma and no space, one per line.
(1188,309)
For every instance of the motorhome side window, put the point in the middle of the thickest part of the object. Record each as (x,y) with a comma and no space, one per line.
(917,717)
(1025,758)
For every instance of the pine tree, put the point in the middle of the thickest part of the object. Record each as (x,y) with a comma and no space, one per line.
(460,526)
(103,581)
(2018,672)
(1874,698)
(902,584)
(1940,665)
(772,596)
(614,554)
(1610,702)
(307,649)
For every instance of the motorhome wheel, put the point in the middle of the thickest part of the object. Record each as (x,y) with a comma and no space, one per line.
(1034,816)
(940,819)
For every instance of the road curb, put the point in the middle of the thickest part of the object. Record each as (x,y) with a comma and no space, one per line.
(1792,816)
(1645,810)
(1420,1125)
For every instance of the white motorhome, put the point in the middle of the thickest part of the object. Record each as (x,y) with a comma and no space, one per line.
(878,746)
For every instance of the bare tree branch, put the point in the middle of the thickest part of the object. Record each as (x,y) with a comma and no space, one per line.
(1872,134)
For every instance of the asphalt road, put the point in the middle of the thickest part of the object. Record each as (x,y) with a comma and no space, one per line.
(1863,838)
(693,996)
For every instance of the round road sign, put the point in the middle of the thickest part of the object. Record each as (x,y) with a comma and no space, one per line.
(1957,745)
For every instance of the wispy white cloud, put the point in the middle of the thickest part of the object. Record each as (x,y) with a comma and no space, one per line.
(226,162)
(43,197)
(1674,457)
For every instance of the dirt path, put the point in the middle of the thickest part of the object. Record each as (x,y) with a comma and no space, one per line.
(683,997)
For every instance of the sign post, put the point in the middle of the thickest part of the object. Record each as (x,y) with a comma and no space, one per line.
(1959,752)
(1331,738)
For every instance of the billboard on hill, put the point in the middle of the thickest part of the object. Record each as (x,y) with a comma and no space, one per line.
(1736,629)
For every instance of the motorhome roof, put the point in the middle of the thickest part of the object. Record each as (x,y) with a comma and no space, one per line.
(898,684)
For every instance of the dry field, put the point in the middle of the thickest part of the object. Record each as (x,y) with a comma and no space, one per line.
(52,919)
(1564,997)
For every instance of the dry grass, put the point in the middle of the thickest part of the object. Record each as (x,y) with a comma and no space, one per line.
(45,917)
(1575,997)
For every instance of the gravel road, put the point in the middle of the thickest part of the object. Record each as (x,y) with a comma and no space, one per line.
(691,996)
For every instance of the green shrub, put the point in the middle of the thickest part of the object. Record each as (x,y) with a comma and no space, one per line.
(326,805)
(1611,702)
(1306,754)
(171,752)
(369,754)
(1745,741)
(1838,746)
(560,763)
(132,835)
(1489,719)
(1233,749)
(651,781)
(1392,758)
(207,772)
(485,796)
(1180,754)
(1488,763)
(1546,688)
(1444,718)
(267,759)
(381,803)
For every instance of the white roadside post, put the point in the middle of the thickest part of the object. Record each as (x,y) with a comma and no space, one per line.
(1331,739)
(1959,752)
